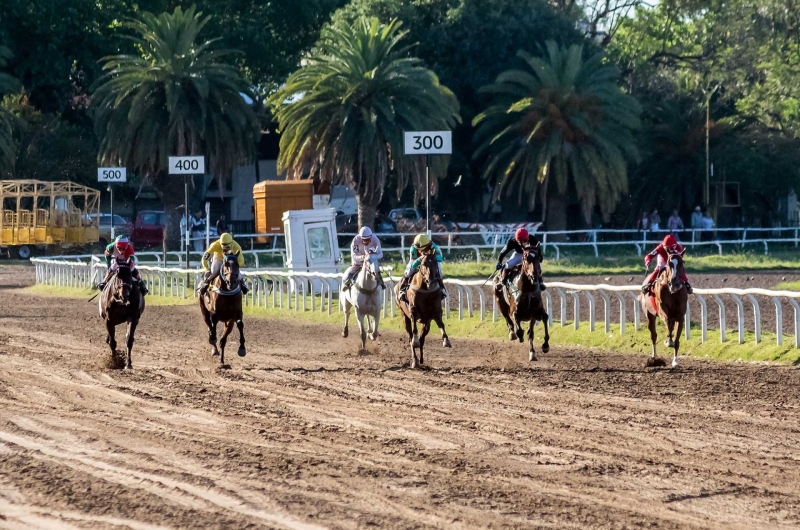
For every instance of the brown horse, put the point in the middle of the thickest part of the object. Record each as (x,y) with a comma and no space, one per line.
(424,305)
(223,303)
(522,302)
(121,302)
(668,302)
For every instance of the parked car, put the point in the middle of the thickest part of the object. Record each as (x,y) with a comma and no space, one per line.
(148,229)
(121,226)
(348,224)
(410,214)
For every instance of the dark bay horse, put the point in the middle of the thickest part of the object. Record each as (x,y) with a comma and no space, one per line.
(424,305)
(668,302)
(223,303)
(522,302)
(121,302)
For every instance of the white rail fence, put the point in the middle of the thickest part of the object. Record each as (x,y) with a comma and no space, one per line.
(467,298)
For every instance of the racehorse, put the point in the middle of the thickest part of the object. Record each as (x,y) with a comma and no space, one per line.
(365,296)
(668,302)
(121,302)
(522,302)
(424,305)
(223,303)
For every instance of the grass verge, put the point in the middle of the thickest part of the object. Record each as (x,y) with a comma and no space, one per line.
(472,328)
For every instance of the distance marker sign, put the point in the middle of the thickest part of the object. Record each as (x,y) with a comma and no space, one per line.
(428,142)
(187,165)
(112,174)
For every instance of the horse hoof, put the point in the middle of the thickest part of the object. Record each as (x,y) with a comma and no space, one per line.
(669,344)
(674,363)
(214,353)
(242,352)
(532,356)
(512,335)
(345,333)
(446,343)
(129,367)
(224,367)
(545,348)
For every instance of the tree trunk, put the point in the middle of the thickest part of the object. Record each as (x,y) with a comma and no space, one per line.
(170,190)
(556,214)
(366,212)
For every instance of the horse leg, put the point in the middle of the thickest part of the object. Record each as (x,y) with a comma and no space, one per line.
(425,329)
(445,338)
(651,325)
(224,340)
(373,335)
(347,306)
(242,350)
(678,331)
(531,350)
(415,339)
(520,333)
(361,328)
(505,310)
(669,343)
(129,341)
(546,343)
(110,340)
(409,330)
(212,334)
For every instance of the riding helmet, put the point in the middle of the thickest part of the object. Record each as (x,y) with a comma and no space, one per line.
(365,233)
(422,240)
(121,241)
(670,241)
(225,239)
(521,235)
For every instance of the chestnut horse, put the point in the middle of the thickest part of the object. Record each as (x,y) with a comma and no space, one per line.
(522,302)
(668,302)
(424,305)
(121,302)
(223,303)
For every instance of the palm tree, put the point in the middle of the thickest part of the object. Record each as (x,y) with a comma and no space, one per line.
(177,96)
(342,115)
(562,125)
(8,84)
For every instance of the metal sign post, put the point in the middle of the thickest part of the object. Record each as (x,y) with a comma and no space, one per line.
(111,175)
(428,143)
(187,166)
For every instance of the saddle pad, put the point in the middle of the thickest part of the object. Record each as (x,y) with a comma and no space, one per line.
(653,303)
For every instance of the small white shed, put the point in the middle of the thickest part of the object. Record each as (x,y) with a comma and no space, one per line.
(311,240)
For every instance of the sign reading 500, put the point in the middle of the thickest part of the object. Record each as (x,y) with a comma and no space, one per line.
(187,165)
(428,143)
(111,174)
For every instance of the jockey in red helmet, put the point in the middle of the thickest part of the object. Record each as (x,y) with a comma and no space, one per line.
(521,242)
(669,246)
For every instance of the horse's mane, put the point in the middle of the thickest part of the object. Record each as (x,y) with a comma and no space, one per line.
(124,274)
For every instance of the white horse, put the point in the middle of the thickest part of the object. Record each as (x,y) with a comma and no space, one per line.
(365,296)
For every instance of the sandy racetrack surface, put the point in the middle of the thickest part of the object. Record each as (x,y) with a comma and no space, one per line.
(306,433)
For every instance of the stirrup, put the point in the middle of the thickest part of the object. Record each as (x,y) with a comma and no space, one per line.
(101,285)
(689,288)
(203,289)
(143,288)
(646,288)
(245,288)
(542,286)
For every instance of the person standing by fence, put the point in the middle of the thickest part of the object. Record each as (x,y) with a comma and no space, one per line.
(222,226)
(674,223)
(644,222)
(655,220)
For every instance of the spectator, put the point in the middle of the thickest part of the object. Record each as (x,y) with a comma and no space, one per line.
(674,223)
(708,224)
(655,220)
(183,232)
(697,218)
(222,225)
(197,223)
(644,222)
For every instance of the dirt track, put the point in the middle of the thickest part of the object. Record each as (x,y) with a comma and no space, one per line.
(306,433)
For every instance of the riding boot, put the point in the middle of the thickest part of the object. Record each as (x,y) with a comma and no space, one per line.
(348,281)
(646,287)
(689,288)
(404,288)
(143,288)
(102,285)
(243,283)
(381,283)
(542,286)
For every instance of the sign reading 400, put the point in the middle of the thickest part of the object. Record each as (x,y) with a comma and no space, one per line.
(187,165)
(428,143)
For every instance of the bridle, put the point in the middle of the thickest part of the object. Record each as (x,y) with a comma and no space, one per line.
(228,267)
(675,280)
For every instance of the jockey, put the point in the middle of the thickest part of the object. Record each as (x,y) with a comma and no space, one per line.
(422,246)
(521,242)
(669,246)
(121,251)
(216,252)
(365,242)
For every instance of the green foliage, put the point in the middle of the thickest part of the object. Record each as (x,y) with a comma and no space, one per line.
(178,96)
(342,115)
(8,84)
(562,121)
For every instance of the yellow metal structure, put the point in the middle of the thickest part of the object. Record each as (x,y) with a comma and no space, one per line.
(34,212)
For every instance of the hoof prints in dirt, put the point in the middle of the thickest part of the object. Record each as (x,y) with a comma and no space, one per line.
(652,363)
(115,361)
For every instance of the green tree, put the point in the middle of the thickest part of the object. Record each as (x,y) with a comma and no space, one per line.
(343,114)
(8,84)
(178,96)
(468,43)
(563,124)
